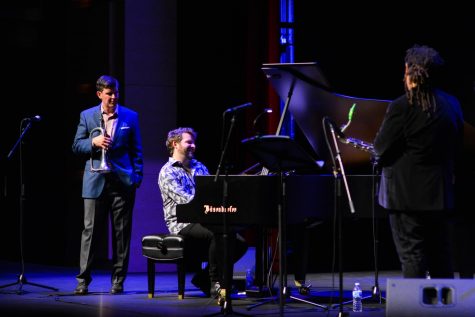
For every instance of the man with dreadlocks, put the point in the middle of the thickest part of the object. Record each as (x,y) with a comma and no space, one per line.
(416,147)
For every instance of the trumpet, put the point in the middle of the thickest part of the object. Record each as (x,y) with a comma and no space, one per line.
(104,166)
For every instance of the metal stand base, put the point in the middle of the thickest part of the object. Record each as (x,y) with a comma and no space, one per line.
(288,296)
(22,281)
(376,295)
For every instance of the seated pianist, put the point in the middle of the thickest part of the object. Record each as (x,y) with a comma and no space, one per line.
(177,186)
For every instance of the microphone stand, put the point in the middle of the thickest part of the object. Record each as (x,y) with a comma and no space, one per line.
(376,294)
(21,277)
(339,173)
(225,146)
(226,307)
(375,291)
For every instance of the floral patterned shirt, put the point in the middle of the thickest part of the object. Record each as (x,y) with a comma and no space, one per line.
(177,186)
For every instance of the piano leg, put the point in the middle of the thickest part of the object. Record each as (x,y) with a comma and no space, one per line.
(262,266)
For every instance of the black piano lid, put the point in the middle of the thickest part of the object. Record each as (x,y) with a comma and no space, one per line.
(312,99)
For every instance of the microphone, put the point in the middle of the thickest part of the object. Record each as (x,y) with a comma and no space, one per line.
(266,110)
(350,116)
(234,109)
(34,119)
(336,129)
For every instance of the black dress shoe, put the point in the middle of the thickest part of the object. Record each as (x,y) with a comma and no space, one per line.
(215,289)
(218,293)
(117,288)
(81,289)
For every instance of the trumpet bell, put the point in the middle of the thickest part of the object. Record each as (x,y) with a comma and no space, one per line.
(104,166)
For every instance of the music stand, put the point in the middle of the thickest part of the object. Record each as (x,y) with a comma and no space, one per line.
(281,154)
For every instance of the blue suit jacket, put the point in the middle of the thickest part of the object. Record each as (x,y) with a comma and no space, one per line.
(125,154)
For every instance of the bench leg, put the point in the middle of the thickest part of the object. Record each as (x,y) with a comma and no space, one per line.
(181,278)
(151,278)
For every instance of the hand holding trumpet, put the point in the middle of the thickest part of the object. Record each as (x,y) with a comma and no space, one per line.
(102,141)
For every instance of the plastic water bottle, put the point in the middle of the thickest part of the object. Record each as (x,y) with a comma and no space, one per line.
(357,298)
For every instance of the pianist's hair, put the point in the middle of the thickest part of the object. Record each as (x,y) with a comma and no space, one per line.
(177,135)
(424,67)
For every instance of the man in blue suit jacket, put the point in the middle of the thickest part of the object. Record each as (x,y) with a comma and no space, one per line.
(108,137)
(418,145)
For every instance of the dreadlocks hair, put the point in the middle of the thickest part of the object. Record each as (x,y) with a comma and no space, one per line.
(424,64)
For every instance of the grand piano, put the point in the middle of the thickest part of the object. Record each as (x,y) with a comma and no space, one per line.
(309,193)
(309,98)
(253,200)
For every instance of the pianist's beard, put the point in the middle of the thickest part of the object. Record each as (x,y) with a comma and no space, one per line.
(189,152)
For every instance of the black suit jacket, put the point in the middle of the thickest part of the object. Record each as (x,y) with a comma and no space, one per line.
(417,153)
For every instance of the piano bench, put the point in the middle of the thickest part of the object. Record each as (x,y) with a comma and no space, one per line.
(164,248)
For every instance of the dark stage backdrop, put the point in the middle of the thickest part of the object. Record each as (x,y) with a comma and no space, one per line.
(54,52)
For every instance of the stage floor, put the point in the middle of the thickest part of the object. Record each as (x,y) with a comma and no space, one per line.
(31,300)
